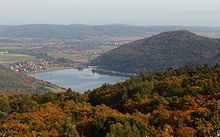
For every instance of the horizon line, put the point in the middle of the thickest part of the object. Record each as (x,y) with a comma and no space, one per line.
(112,24)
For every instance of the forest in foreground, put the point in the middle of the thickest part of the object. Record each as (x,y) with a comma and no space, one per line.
(177,102)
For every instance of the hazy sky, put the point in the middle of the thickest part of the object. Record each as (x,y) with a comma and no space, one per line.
(95,12)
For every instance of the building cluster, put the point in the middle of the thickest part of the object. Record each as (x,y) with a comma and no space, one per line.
(96,52)
(3,52)
(92,52)
(32,66)
(66,52)
(84,52)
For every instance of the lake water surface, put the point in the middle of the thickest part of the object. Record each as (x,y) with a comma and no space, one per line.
(80,81)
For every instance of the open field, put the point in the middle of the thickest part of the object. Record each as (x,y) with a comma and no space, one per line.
(15,57)
(7,62)
(56,90)
(73,57)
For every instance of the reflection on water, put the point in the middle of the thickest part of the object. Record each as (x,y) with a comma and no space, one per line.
(80,81)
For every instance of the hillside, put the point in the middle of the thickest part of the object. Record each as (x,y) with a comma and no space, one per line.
(168,49)
(12,82)
(70,31)
(181,102)
(78,31)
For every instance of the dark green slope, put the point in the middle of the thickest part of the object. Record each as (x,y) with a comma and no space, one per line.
(12,82)
(168,49)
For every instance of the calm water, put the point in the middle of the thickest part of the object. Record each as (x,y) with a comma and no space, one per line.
(80,81)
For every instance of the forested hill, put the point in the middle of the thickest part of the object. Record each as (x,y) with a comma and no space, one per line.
(181,102)
(168,49)
(12,82)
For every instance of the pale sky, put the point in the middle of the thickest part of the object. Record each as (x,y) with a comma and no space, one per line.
(98,12)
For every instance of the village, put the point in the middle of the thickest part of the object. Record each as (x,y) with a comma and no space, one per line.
(3,52)
(40,55)
(32,66)
(61,59)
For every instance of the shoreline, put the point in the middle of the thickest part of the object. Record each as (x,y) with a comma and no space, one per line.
(94,70)
(112,72)
(50,70)
(80,88)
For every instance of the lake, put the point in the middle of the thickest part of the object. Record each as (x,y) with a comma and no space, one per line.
(77,80)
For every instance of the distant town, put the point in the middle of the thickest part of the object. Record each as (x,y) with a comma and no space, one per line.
(31,55)
(32,66)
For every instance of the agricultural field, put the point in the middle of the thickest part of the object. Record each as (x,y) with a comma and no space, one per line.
(73,57)
(15,57)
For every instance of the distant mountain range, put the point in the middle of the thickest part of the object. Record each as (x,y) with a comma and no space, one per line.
(79,31)
(13,82)
(168,49)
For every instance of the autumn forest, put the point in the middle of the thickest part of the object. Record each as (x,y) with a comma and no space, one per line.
(177,102)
